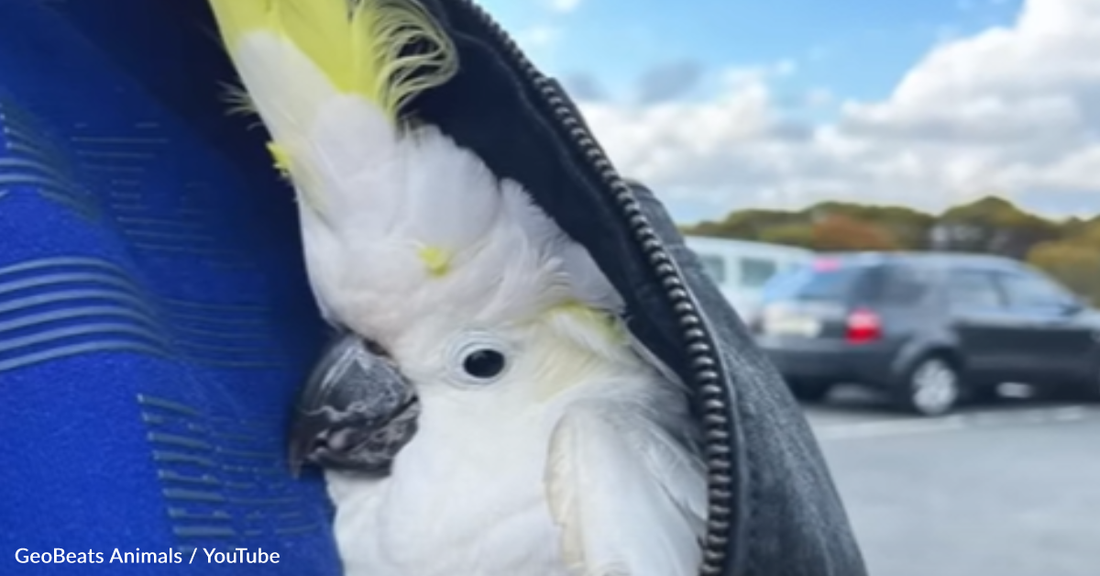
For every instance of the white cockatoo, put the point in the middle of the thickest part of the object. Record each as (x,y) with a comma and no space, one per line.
(486,412)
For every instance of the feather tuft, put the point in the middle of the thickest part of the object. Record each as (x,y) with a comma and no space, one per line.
(281,158)
(239,101)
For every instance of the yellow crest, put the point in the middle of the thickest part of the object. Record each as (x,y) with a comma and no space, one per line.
(384,50)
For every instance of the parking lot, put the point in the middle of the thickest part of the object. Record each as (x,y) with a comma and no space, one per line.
(1011,489)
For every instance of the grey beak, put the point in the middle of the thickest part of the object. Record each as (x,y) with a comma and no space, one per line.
(355,413)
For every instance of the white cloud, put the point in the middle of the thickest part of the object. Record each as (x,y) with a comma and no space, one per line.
(1013,109)
(737,78)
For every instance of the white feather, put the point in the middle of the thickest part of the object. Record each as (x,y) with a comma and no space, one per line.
(629,499)
(506,258)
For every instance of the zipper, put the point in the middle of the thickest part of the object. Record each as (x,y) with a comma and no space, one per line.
(712,396)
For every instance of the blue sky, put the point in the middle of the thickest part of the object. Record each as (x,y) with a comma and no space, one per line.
(853,48)
(926,103)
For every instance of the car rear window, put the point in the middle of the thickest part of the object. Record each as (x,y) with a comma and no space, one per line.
(820,281)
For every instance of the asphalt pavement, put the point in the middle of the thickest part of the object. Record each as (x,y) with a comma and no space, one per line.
(1011,489)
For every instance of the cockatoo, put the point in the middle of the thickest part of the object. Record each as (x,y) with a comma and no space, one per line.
(485,411)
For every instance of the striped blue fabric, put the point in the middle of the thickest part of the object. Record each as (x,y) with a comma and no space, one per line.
(155,320)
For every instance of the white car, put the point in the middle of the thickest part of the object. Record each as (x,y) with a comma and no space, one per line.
(741,268)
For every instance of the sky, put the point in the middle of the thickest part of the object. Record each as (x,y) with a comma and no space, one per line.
(732,104)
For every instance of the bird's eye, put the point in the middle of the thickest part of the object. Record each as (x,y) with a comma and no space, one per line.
(484,363)
(478,358)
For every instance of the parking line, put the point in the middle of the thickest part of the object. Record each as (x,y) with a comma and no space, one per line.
(883,428)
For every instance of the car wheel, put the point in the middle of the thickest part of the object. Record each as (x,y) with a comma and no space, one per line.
(931,388)
(809,390)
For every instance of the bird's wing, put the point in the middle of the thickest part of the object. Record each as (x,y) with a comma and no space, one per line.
(628,498)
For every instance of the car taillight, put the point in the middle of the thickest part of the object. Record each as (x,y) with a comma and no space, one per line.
(863,326)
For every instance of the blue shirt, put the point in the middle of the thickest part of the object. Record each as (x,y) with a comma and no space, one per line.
(155,318)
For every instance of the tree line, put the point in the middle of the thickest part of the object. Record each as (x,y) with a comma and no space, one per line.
(1068,249)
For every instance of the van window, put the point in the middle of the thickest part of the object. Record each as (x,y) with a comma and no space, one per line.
(714,265)
(755,272)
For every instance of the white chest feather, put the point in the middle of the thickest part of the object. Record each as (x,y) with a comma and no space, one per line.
(465,497)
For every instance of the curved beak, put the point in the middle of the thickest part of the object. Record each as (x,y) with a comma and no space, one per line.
(355,413)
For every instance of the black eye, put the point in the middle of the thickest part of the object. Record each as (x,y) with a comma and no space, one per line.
(484,363)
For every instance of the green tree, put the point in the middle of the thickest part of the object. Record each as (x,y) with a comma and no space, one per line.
(996,226)
(1075,263)
(909,228)
(838,232)
(991,224)
(1086,231)
(800,235)
(746,224)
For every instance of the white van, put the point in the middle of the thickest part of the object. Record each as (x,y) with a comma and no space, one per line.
(740,267)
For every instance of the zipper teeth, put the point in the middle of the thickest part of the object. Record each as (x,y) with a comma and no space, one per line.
(712,396)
